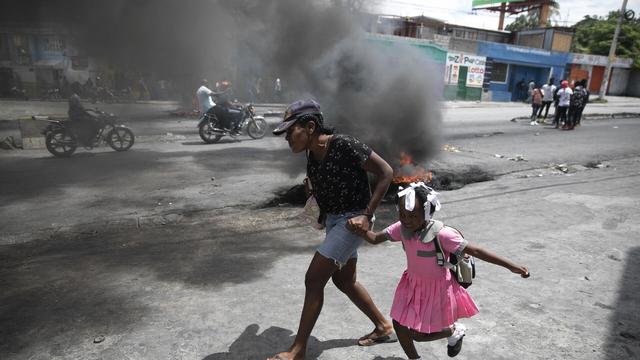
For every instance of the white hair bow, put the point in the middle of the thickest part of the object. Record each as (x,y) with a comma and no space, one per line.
(410,198)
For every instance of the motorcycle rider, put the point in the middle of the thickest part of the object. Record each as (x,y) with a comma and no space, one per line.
(84,125)
(204,98)
(229,114)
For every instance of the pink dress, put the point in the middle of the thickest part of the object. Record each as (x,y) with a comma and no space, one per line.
(427,298)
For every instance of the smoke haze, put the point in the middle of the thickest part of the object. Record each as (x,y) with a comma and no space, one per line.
(385,94)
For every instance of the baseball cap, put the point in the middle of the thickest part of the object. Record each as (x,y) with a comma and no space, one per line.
(295,111)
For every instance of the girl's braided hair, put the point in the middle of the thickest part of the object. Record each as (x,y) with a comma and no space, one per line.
(421,195)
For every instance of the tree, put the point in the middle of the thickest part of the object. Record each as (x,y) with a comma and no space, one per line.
(593,35)
(531,19)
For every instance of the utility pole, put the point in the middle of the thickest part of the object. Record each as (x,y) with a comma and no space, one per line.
(502,11)
(612,52)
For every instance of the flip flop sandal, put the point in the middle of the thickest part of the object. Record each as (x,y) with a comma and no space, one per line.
(373,339)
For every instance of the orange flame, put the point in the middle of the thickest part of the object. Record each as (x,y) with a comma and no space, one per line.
(405,159)
(409,171)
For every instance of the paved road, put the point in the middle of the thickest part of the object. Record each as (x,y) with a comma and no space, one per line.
(145,249)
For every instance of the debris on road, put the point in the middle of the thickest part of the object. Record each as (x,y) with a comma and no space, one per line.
(450,148)
(518,158)
(562,167)
(98,339)
(498,156)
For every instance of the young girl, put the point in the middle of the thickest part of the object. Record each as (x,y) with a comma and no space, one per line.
(428,301)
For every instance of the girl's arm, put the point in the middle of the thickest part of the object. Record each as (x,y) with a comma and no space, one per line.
(488,256)
(370,236)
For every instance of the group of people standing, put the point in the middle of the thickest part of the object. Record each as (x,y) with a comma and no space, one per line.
(569,103)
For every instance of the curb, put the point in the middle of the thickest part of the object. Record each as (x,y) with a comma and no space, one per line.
(596,116)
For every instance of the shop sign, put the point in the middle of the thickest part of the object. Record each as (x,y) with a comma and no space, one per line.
(475,69)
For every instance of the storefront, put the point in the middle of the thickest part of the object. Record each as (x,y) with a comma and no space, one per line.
(513,67)
(463,76)
(592,68)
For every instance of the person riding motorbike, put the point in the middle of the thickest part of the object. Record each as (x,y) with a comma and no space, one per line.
(82,122)
(217,103)
(229,114)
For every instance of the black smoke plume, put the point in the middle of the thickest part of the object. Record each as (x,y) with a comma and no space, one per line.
(385,93)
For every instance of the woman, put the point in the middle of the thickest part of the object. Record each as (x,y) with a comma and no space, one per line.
(337,167)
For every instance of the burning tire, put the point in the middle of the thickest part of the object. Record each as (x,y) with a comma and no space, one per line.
(60,143)
(257,128)
(120,139)
(207,134)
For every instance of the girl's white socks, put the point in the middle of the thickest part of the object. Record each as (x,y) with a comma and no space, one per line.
(458,333)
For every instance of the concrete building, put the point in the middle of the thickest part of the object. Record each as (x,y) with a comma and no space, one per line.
(37,58)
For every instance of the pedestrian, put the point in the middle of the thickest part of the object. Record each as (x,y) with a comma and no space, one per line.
(337,168)
(521,88)
(564,98)
(548,91)
(530,88)
(536,104)
(576,105)
(277,90)
(585,101)
(428,301)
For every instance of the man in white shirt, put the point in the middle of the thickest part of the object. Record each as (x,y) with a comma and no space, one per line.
(547,98)
(204,97)
(564,99)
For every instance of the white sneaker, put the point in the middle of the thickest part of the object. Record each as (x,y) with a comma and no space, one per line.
(454,342)
(533,123)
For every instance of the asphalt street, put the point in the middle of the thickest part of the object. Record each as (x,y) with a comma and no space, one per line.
(166,251)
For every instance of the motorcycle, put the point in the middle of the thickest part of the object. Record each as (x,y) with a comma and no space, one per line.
(18,93)
(211,129)
(61,138)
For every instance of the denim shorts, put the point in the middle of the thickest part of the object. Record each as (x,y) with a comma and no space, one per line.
(340,244)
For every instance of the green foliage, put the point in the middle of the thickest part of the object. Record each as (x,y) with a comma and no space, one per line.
(593,35)
(531,19)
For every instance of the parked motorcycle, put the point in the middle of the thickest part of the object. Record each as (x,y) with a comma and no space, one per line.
(18,93)
(50,94)
(211,129)
(62,140)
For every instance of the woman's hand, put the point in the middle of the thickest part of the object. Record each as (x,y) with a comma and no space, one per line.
(522,270)
(358,224)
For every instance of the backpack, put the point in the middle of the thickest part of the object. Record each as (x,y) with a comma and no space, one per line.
(578,98)
(462,268)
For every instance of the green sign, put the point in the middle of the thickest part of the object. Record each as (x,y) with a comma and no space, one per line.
(480,3)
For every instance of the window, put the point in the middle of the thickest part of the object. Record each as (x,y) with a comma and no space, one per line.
(4,48)
(458,34)
(53,45)
(499,72)
(471,35)
(21,44)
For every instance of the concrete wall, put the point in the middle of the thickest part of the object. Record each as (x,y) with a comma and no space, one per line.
(618,81)
(464,46)
(633,87)
(561,42)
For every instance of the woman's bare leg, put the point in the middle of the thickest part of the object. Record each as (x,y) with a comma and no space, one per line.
(318,273)
(345,281)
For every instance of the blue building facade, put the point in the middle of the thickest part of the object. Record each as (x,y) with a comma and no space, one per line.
(512,67)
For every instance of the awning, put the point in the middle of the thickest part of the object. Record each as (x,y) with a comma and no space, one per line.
(56,64)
